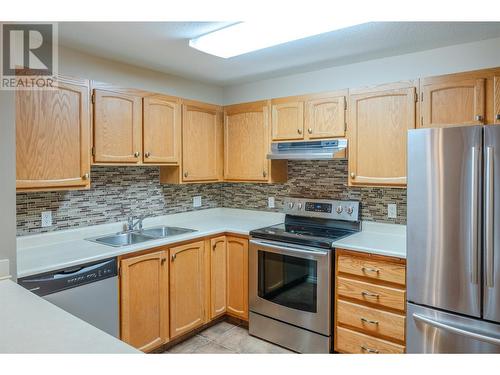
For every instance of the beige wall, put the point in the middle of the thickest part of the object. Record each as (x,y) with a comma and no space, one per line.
(463,57)
(78,64)
(7,184)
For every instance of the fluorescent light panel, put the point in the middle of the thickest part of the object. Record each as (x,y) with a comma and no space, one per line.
(245,37)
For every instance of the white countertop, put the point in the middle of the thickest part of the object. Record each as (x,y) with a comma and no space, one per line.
(55,250)
(30,324)
(377,238)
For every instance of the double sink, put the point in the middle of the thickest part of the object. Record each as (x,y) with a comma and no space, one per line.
(139,236)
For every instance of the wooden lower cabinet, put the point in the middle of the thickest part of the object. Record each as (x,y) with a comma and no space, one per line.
(144,300)
(237,277)
(218,277)
(370,303)
(187,288)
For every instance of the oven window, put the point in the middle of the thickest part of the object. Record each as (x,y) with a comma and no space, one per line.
(288,281)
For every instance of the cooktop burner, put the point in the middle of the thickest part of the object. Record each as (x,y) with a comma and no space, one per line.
(313,223)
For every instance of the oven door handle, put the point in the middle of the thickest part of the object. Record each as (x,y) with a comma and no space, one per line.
(291,249)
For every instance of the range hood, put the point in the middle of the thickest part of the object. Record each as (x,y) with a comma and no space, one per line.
(309,150)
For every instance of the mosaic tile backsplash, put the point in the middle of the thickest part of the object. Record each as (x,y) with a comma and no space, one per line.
(117,192)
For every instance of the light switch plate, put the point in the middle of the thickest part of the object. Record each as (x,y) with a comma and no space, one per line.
(270,202)
(392,211)
(197,201)
(46,219)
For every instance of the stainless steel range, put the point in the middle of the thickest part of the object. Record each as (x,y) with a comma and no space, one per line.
(290,273)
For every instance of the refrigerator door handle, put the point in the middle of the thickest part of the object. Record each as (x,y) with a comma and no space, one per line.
(474,215)
(456,330)
(489,196)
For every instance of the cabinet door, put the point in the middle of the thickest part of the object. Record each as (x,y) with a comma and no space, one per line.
(325,118)
(201,143)
(144,300)
(496,99)
(187,292)
(218,276)
(287,120)
(117,127)
(162,130)
(378,125)
(246,142)
(53,137)
(237,277)
(452,102)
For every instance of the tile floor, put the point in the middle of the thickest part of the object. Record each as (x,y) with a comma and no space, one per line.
(226,338)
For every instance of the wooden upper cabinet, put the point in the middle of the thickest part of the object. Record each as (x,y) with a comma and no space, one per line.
(201,142)
(379,119)
(496,99)
(457,99)
(117,127)
(187,288)
(53,137)
(246,142)
(218,264)
(162,130)
(237,277)
(325,117)
(287,116)
(144,300)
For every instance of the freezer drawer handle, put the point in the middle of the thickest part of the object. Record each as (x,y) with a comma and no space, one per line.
(457,330)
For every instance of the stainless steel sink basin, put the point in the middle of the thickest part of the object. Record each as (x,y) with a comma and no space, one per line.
(162,232)
(135,237)
(123,239)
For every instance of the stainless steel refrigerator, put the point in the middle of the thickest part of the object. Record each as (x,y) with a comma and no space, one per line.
(453,240)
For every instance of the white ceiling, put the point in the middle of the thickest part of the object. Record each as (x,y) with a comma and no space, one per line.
(163,46)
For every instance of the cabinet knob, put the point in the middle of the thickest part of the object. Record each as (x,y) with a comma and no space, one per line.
(310,131)
(173,257)
(185,174)
(163,260)
(137,154)
(86,176)
(479,118)
(264,174)
(147,154)
(353,175)
(497,117)
(299,131)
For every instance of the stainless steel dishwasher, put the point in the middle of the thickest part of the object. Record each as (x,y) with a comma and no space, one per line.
(88,291)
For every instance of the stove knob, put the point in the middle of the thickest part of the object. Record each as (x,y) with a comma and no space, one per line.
(350,210)
(299,206)
(290,205)
(339,209)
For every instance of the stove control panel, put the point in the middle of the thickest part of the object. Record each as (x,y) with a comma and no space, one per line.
(328,209)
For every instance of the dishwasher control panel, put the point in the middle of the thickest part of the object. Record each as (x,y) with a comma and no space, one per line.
(71,277)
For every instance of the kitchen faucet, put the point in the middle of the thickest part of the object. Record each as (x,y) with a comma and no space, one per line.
(131,225)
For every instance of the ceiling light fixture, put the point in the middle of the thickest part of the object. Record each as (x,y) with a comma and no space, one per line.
(244,37)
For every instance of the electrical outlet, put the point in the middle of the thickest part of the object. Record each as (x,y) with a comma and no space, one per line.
(197,201)
(392,211)
(46,219)
(270,202)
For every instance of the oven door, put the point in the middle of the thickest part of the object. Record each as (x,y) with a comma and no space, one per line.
(291,283)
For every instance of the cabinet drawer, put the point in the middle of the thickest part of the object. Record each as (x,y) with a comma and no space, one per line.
(371,321)
(373,269)
(375,294)
(353,342)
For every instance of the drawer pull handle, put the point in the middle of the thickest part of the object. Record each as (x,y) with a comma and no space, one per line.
(368,269)
(369,350)
(369,294)
(364,320)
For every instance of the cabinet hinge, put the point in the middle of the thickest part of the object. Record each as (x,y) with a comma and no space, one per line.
(120,272)
(93,150)
(345,104)
(421,121)
(416,97)
(422,97)
(345,126)
(93,98)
